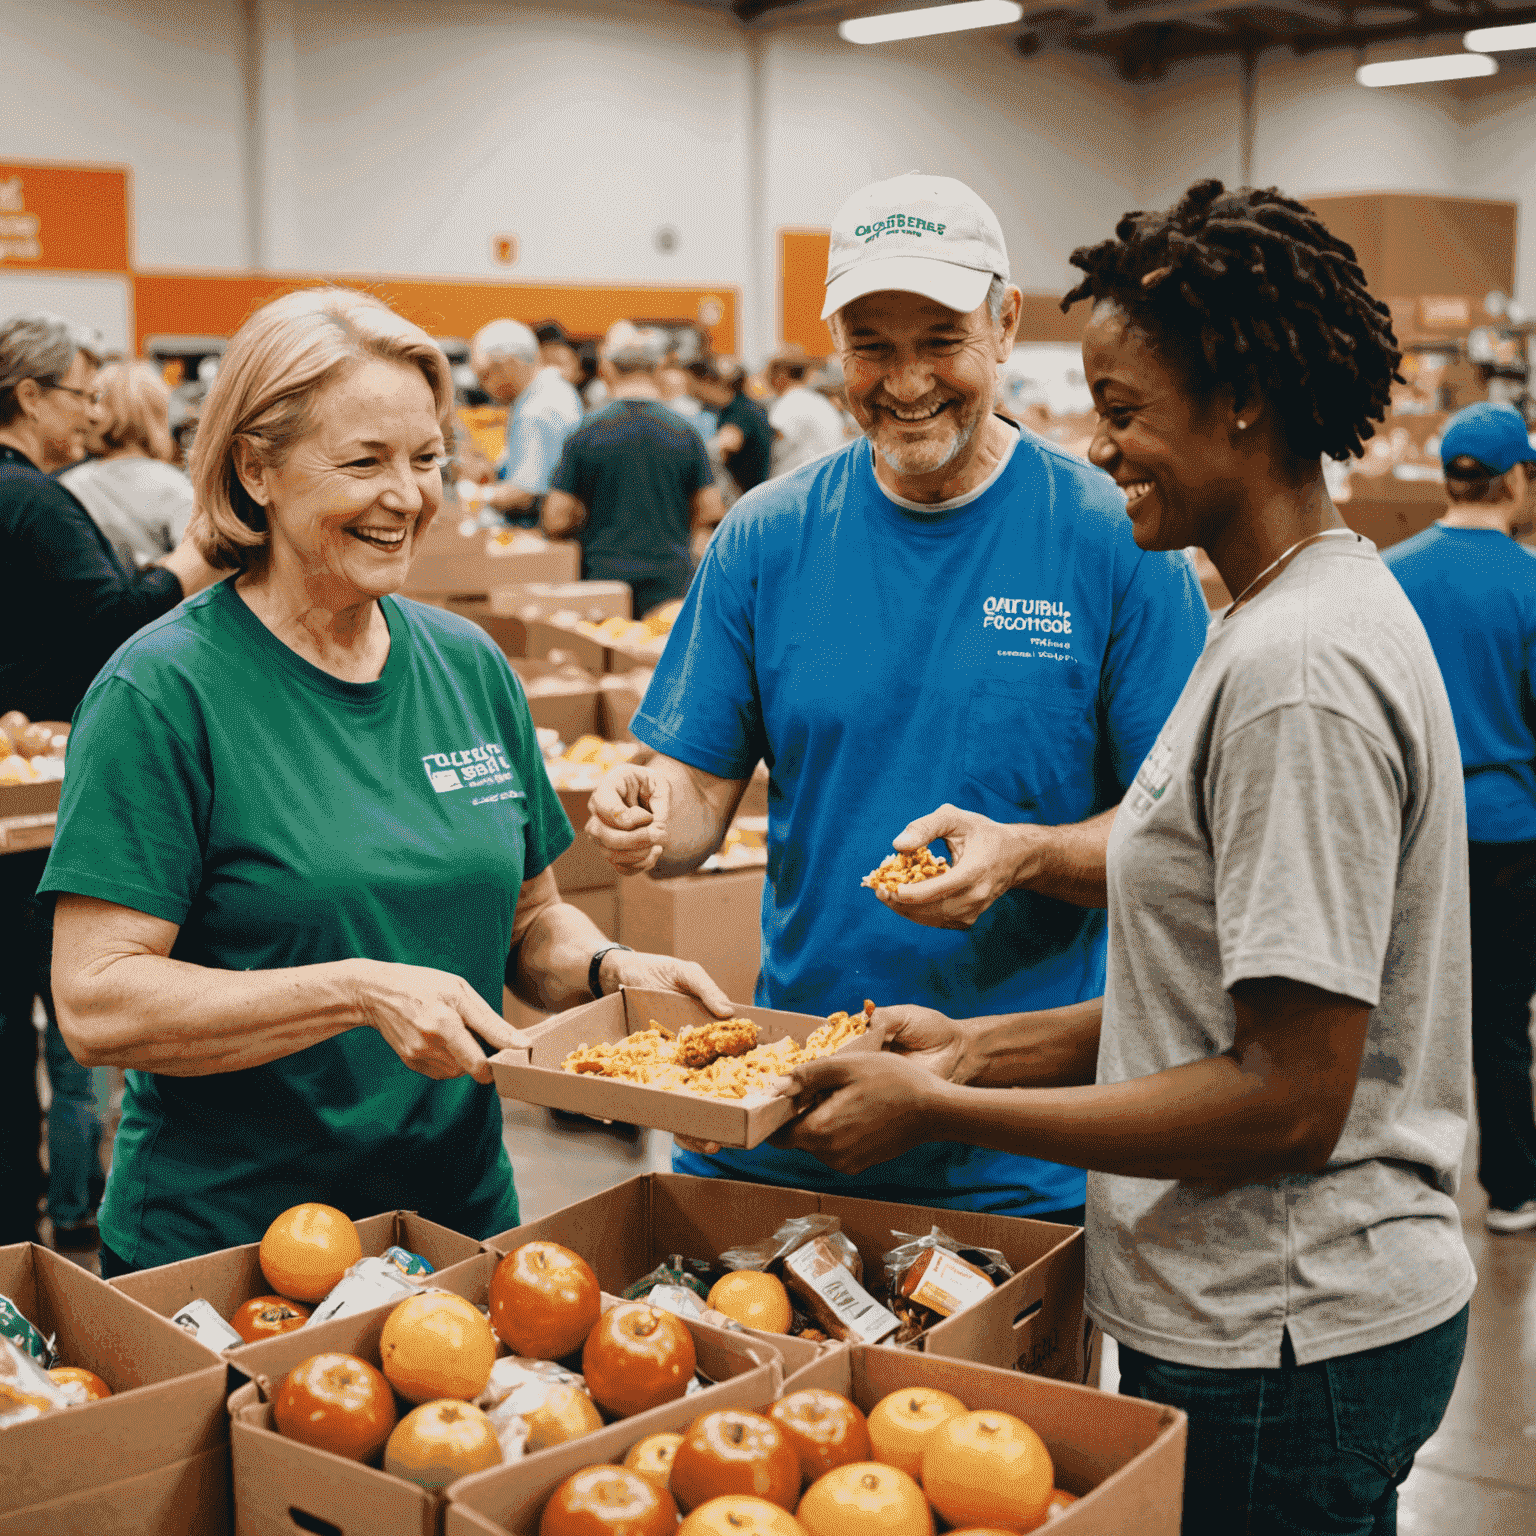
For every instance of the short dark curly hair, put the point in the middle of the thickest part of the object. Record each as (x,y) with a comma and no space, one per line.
(1249,289)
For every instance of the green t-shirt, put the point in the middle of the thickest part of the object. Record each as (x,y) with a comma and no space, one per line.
(283,817)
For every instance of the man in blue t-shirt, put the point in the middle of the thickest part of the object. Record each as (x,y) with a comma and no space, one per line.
(947,614)
(1475,591)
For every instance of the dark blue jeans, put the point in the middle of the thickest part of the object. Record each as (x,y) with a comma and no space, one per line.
(1305,1450)
(1502,885)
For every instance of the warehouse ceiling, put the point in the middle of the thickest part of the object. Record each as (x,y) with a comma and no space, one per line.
(1143,37)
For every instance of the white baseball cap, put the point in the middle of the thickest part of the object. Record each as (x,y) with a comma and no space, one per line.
(916,234)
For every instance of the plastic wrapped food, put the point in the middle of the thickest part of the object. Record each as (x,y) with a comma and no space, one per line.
(914,1305)
(373,1282)
(26,1391)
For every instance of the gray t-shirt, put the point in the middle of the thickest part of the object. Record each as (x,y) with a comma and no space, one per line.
(1301,816)
(142,505)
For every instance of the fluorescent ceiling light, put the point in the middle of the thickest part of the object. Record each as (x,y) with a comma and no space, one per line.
(930,21)
(1444,66)
(1499,39)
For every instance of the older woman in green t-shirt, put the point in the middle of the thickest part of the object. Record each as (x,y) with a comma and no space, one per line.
(307,832)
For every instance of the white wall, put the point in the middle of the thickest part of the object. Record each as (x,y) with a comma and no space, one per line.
(413,133)
(156,86)
(579,129)
(1499,117)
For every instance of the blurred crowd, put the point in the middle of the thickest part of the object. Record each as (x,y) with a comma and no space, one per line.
(635,443)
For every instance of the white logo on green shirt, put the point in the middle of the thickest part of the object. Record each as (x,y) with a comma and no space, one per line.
(472,768)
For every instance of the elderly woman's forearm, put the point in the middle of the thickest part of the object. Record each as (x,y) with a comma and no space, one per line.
(154,1014)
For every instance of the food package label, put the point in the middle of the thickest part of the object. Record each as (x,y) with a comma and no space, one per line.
(370,1283)
(206,1326)
(947,1284)
(26,1389)
(854,1308)
(406,1262)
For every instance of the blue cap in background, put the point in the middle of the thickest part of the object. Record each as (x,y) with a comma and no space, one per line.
(1494,435)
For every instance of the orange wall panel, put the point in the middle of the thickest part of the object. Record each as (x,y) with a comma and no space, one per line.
(802,287)
(68,218)
(215,303)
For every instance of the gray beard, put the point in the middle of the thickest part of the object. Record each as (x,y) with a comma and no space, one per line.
(961,442)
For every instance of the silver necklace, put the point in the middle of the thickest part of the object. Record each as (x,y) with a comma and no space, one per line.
(1311,538)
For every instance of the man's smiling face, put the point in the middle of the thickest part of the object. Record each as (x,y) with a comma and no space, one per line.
(921,378)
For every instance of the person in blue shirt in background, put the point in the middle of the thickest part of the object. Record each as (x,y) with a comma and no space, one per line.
(947,613)
(545,407)
(1474,589)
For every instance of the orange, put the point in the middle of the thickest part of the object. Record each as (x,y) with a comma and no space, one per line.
(988,1469)
(78,1384)
(439,1442)
(652,1457)
(753,1299)
(308,1249)
(864,1498)
(901,1422)
(437,1345)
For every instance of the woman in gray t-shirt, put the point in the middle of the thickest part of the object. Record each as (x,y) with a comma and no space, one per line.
(1272,1095)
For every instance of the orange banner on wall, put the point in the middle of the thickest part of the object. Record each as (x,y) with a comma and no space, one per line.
(215,303)
(63,218)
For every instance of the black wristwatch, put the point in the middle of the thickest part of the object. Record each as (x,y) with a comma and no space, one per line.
(594,982)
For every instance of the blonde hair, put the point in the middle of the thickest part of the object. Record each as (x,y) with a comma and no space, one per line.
(264,396)
(137,403)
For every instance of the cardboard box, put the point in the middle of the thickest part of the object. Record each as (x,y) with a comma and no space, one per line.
(1123,1457)
(153,1459)
(281,1485)
(28,814)
(715,919)
(509,633)
(583,866)
(1033,1322)
(534,1075)
(622,695)
(595,600)
(592,652)
(230,1277)
(573,714)
(471,565)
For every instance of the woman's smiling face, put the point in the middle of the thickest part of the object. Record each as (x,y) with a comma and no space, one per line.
(348,507)
(1170,451)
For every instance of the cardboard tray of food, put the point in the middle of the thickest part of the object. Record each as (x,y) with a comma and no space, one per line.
(535,1075)
(152,1459)
(282,1486)
(1123,1458)
(1033,1322)
(232,1276)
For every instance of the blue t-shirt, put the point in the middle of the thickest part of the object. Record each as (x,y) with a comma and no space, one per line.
(1475,592)
(1014,656)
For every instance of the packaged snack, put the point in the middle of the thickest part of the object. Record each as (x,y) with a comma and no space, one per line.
(944,1283)
(794,1233)
(15,1327)
(840,1304)
(371,1282)
(912,1258)
(26,1392)
(206,1326)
